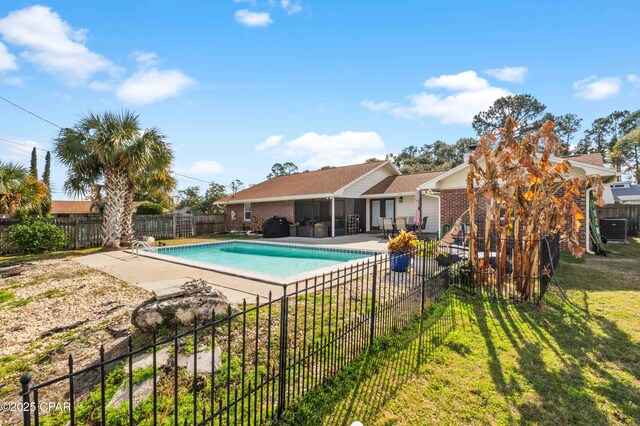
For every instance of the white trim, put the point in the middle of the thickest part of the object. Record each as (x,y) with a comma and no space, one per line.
(587,241)
(245,211)
(387,162)
(438,196)
(431,184)
(333,216)
(389,195)
(266,200)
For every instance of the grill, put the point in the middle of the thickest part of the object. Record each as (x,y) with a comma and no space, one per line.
(614,229)
(275,227)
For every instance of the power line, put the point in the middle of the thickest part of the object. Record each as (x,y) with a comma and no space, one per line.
(29,112)
(23,144)
(189,177)
(54,124)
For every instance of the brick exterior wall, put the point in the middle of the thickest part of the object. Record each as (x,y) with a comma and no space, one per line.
(261,211)
(454,203)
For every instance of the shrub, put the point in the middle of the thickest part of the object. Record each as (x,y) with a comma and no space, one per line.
(37,235)
(149,208)
(426,248)
(403,243)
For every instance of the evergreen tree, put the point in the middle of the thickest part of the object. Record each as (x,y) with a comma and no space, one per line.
(33,170)
(46,179)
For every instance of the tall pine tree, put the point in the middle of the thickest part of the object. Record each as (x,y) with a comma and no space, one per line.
(46,179)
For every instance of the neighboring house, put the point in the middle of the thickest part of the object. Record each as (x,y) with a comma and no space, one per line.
(370,190)
(72,208)
(625,192)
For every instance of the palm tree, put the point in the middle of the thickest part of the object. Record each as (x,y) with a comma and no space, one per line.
(113,150)
(149,171)
(19,193)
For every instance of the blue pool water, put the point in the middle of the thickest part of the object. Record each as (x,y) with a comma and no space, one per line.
(271,259)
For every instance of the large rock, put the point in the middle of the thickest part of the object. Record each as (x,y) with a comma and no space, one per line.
(193,299)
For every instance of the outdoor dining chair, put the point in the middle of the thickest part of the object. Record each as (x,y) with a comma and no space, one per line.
(387,226)
(401,224)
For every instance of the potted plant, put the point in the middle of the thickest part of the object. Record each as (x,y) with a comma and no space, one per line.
(399,249)
(293,229)
(321,230)
(425,250)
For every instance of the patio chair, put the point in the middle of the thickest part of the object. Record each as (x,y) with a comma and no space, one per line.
(387,226)
(422,229)
(401,224)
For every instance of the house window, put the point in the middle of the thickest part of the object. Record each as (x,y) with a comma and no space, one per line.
(247,211)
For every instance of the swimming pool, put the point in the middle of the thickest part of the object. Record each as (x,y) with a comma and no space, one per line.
(272,262)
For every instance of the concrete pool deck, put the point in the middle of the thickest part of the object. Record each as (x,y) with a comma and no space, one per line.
(153,274)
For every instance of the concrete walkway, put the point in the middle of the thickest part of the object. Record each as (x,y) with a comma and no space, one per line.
(153,274)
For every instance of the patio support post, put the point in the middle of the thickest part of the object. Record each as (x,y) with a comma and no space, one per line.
(333,216)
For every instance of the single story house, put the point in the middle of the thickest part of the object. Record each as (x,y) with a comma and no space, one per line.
(625,192)
(333,197)
(67,208)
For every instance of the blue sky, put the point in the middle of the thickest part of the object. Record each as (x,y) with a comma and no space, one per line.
(239,85)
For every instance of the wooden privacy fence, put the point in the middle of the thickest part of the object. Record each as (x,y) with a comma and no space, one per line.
(631,212)
(84,231)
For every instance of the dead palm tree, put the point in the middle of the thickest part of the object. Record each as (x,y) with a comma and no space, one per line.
(19,193)
(111,148)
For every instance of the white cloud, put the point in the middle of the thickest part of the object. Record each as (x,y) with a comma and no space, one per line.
(270,142)
(148,86)
(595,89)
(7,60)
(53,44)
(634,79)
(18,152)
(315,150)
(145,59)
(457,108)
(253,19)
(510,74)
(467,80)
(376,106)
(290,7)
(202,168)
(13,81)
(471,94)
(102,86)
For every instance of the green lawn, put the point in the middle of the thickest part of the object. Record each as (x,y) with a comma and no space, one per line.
(478,361)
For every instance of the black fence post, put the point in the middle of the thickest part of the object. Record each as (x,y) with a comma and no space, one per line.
(372,330)
(282,361)
(423,295)
(25,381)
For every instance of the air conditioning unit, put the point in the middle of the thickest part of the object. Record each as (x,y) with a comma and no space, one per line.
(614,229)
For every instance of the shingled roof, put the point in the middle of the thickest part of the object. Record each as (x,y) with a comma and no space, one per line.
(71,207)
(595,158)
(321,182)
(402,183)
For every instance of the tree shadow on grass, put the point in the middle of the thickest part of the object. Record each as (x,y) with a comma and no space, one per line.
(360,389)
(579,367)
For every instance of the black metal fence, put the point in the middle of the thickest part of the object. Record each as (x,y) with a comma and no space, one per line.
(495,273)
(248,364)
